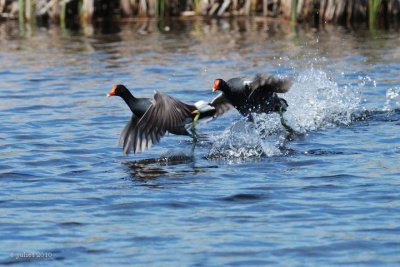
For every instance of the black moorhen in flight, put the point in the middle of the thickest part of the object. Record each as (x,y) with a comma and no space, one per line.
(152,118)
(252,95)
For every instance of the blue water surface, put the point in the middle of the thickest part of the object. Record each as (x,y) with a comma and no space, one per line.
(242,195)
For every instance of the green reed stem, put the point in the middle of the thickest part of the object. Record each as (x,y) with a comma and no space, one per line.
(374,6)
(197,7)
(294,10)
(161,8)
(63,14)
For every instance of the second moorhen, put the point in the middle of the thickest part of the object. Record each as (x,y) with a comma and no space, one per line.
(252,95)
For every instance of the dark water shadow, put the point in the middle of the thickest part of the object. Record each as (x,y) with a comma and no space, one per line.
(153,168)
(376,115)
(174,166)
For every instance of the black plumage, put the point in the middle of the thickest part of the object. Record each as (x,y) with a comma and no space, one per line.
(251,95)
(152,118)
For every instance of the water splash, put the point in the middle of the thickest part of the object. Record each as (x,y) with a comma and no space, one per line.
(392,99)
(366,81)
(315,102)
(241,141)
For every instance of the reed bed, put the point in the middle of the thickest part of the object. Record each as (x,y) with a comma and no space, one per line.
(315,12)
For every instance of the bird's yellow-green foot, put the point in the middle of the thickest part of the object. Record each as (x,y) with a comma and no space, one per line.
(196,118)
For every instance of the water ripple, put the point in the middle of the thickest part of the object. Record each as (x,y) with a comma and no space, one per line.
(247,194)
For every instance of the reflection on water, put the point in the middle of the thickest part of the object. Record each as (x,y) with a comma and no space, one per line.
(68,189)
(158,167)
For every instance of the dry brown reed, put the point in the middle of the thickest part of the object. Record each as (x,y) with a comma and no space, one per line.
(313,11)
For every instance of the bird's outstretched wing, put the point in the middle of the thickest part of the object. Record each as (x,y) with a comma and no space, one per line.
(221,104)
(126,137)
(266,84)
(164,114)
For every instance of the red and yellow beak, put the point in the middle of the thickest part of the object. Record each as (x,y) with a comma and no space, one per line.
(215,86)
(112,92)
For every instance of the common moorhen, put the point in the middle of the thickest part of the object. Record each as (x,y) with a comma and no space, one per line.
(252,95)
(152,118)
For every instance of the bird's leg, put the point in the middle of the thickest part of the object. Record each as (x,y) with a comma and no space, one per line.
(195,138)
(196,118)
(194,144)
(284,123)
(250,118)
(193,134)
